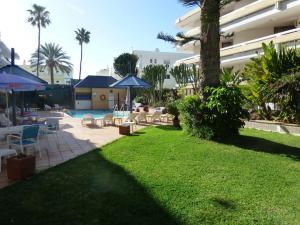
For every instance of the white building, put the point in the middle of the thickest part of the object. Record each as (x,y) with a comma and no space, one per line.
(252,23)
(109,71)
(59,77)
(160,58)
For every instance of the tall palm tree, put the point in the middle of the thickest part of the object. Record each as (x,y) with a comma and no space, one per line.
(82,36)
(38,16)
(52,58)
(209,39)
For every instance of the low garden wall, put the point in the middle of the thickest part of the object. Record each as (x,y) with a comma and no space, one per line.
(273,126)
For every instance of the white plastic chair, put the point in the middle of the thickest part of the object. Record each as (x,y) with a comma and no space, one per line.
(29,137)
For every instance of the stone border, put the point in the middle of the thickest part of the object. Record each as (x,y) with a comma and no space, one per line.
(273,126)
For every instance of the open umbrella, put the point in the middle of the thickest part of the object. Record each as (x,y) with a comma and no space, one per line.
(10,83)
(129,82)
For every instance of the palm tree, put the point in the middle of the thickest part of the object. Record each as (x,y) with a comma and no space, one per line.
(209,39)
(82,36)
(38,16)
(52,58)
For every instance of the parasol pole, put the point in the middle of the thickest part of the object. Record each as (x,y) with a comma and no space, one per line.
(14,116)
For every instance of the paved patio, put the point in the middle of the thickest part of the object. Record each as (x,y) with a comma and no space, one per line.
(73,139)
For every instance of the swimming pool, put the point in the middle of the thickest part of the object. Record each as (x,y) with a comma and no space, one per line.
(98,114)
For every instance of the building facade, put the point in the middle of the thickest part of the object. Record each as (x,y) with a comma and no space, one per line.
(59,77)
(94,92)
(159,58)
(250,23)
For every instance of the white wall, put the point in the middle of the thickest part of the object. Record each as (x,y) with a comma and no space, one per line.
(252,34)
(159,58)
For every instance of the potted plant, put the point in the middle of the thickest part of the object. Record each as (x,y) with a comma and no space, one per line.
(20,167)
(173,110)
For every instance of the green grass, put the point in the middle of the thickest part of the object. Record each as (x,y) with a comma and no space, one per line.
(163,176)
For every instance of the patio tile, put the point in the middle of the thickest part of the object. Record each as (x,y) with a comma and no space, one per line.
(73,140)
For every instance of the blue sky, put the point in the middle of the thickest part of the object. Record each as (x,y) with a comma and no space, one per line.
(116,27)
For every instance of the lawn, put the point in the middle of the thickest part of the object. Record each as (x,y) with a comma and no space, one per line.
(163,176)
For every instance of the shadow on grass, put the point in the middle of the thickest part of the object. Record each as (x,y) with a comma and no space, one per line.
(137,133)
(262,145)
(223,203)
(86,190)
(168,128)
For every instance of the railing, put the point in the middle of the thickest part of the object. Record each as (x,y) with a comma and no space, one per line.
(236,14)
(280,38)
(283,37)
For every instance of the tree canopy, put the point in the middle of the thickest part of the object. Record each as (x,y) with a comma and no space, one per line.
(125,64)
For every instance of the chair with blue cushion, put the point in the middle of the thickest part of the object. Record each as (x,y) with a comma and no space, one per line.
(29,137)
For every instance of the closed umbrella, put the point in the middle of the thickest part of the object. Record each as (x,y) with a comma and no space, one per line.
(129,82)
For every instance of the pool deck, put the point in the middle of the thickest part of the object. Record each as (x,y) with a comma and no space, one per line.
(73,140)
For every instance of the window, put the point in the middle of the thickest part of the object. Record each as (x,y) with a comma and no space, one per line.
(151,61)
(167,62)
(83,96)
(155,61)
(227,44)
(283,28)
(168,77)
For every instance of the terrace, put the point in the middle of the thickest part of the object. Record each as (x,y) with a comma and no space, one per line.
(73,141)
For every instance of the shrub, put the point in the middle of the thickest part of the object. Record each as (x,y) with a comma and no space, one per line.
(141,99)
(219,116)
(172,108)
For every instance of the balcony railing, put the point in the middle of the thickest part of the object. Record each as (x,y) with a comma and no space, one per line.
(232,16)
(283,37)
(250,46)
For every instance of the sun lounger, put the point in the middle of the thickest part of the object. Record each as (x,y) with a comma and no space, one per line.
(142,117)
(47,107)
(88,119)
(155,116)
(58,107)
(131,117)
(108,119)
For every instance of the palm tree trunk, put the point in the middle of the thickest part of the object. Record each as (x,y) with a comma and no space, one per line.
(38,51)
(210,41)
(52,74)
(80,61)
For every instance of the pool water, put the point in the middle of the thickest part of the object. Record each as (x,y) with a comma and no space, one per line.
(97,114)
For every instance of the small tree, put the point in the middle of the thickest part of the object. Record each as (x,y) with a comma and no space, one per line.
(150,74)
(125,64)
(181,74)
(184,74)
(52,58)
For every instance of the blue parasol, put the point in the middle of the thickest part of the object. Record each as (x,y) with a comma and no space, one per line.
(11,83)
(131,81)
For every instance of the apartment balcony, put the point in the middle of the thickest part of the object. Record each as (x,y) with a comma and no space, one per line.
(252,15)
(241,53)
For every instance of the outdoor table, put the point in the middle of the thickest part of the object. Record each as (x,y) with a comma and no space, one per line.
(131,124)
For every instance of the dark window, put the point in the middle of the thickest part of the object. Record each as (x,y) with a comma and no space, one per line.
(283,28)
(155,60)
(168,76)
(227,44)
(151,61)
(83,96)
